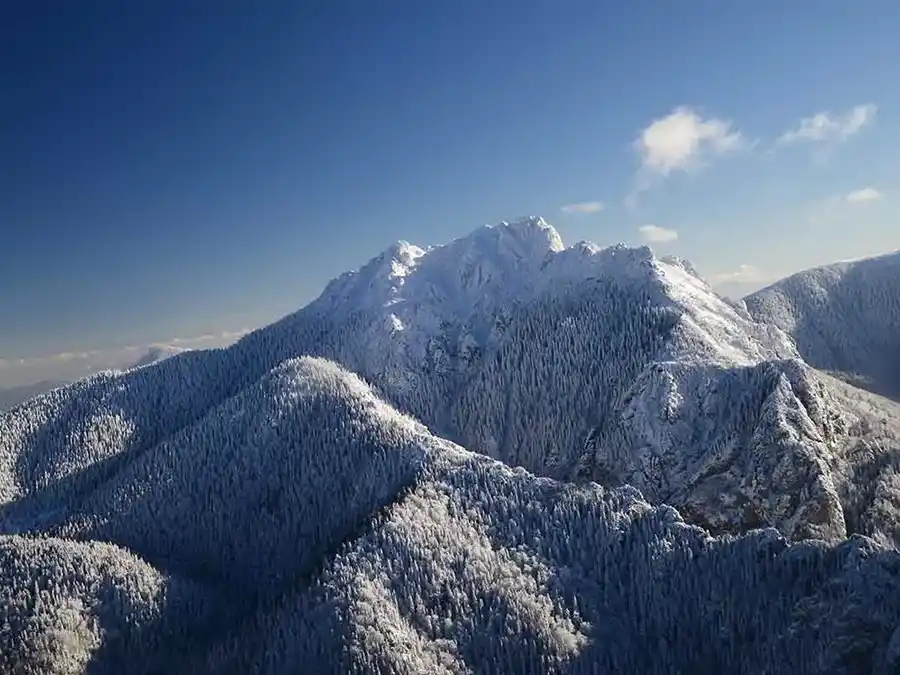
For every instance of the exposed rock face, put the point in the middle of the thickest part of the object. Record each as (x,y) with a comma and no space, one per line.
(732,449)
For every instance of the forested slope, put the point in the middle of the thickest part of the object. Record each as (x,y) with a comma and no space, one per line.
(290,503)
(843,317)
(303,525)
(575,363)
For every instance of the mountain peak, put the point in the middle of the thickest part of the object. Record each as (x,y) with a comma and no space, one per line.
(414,296)
(533,229)
(683,263)
(492,255)
(401,251)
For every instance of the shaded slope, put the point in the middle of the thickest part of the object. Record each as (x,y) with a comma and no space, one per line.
(337,535)
(578,362)
(485,569)
(844,318)
(254,492)
(248,500)
(68,608)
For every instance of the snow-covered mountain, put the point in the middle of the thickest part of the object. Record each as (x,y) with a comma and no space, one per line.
(328,531)
(581,362)
(304,525)
(584,362)
(436,329)
(844,318)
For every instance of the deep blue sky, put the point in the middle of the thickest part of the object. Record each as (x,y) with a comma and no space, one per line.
(184,168)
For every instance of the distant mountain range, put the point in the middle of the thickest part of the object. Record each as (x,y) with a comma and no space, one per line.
(656,480)
(13,396)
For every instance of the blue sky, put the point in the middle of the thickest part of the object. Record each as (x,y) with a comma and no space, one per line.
(185,169)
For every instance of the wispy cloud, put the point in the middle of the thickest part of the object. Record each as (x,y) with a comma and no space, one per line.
(864,195)
(737,283)
(744,274)
(208,340)
(828,128)
(654,234)
(683,140)
(73,365)
(840,206)
(583,207)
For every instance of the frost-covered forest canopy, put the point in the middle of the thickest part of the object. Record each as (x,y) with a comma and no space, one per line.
(501,455)
(843,318)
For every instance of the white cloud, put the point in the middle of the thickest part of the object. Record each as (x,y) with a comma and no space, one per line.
(738,283)
(824,127)
(683,140)
(657,235)
(744,274)
(583,207)
(208,340)
(863,195)
(841,206)
(69,366)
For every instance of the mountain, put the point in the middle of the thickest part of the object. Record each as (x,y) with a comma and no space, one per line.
(304,525)
(308,488)
(574,363)
(435,329)
(843,318)
(607,364)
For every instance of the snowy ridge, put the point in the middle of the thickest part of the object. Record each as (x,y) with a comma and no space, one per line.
(715,327)
(299,483)
(519,348)
(438,561)
(843,317)
(732,448)
(418,291)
